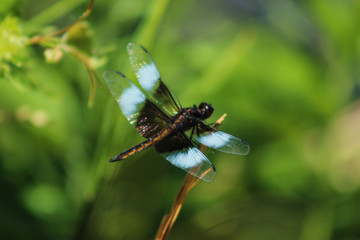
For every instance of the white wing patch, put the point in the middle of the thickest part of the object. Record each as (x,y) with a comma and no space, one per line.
(225,143)
(194,162)
(187,158)
(215,139)
(148,76)
(130,100)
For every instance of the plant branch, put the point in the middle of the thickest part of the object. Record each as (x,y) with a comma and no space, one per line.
(37,39)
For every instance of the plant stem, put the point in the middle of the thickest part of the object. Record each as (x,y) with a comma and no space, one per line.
(189,182)
(37,39)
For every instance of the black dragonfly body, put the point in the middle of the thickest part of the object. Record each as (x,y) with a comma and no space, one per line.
(158,116)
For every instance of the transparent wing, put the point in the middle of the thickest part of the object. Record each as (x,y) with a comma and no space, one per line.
(147,118)
(150,79)
(179,151)
(223,142)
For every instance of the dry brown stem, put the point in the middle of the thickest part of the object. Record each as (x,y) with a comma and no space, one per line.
(189,182)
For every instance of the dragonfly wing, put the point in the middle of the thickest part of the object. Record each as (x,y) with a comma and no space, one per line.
(150,79)
(147,118)
(223,142)
(179,151)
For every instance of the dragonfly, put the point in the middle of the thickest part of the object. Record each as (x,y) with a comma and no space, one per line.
(157,115)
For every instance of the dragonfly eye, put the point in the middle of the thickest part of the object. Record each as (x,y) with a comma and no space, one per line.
(206,110)
(202,105)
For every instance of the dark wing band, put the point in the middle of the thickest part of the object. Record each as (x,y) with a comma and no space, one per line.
(147,118)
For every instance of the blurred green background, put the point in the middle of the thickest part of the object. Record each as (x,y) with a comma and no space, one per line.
(285,72)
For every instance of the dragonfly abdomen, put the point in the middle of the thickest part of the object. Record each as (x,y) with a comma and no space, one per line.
(144,145)
(135,149)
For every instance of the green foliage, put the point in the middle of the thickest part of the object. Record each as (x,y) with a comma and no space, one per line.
(13,45)
(285,72)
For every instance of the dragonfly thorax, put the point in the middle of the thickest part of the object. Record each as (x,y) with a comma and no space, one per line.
(187,118)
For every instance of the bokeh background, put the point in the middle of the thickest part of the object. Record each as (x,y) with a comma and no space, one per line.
(285,72)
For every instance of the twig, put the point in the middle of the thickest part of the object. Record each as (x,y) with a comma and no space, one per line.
(37,39)
(189,182)
(84,59)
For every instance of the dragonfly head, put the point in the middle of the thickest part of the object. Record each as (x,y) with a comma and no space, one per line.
(205,110)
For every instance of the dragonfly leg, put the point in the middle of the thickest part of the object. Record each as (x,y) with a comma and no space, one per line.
(192,133)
